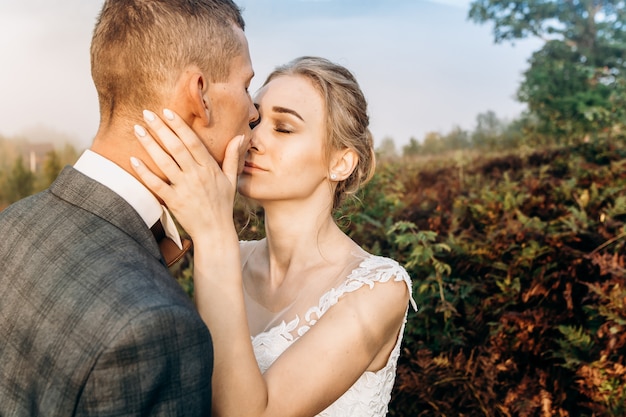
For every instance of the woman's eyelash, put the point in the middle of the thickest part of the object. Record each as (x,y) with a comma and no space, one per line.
(282,129)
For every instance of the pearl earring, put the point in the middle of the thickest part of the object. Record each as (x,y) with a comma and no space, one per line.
(333,176)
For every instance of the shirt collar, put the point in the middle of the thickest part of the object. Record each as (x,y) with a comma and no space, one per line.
(121,182)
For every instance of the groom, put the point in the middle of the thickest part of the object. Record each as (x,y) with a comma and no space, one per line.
(91,322)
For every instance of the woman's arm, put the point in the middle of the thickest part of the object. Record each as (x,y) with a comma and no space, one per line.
(349,339)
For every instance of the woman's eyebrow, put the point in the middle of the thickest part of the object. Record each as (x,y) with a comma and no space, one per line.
(279,109)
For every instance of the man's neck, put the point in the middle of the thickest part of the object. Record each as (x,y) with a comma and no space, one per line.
(118,143)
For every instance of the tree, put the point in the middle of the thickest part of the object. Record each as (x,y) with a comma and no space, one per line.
(387,149)
(433,144)
(488,132)
(51,168)
(457,139)
(19,183)
(412,148)
(575,83)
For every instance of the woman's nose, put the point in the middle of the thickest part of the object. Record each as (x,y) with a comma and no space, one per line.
(256,144)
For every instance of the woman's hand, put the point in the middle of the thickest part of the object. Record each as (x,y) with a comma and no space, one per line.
(199,193)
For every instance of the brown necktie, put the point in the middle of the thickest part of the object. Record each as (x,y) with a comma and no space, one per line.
(171,253)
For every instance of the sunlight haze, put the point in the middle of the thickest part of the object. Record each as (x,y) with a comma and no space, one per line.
(422,65)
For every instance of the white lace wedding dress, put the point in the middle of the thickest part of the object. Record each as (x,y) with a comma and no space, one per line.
(371,393)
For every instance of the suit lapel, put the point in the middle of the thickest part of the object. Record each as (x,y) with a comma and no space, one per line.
(80,190)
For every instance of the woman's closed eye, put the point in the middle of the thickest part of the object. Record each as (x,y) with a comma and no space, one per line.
(282,128)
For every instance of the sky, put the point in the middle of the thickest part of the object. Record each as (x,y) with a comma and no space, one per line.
(423,66)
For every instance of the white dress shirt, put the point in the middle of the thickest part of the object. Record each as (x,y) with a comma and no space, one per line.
(112,176)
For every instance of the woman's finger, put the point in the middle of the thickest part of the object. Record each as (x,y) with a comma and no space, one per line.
(151,180)
(189,139)
(170,140)
(232,157)
(161,158)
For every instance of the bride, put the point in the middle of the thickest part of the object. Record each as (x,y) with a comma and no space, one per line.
(304,322)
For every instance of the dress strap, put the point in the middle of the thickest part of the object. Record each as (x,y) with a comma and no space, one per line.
(371,270)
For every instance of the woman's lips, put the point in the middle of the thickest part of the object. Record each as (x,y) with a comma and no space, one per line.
(252,166)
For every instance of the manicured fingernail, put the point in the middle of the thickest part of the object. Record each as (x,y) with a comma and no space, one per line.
(140,131)
(134,161)
(242,138)
(169,115)
(149,116)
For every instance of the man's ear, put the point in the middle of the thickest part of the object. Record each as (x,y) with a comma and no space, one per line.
(198,97)
(342,164)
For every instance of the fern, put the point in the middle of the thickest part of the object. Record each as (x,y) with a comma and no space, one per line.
(576,346)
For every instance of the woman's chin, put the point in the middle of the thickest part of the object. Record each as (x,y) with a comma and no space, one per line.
(243,186)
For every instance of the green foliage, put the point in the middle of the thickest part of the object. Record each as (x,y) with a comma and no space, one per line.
(491,133)
(575,347)
(423,249)
(535,289)
(19,183)
(16,178)
(488,131)
(567,94)
(367,217)
(587,23)
(433,144)
(387,149)
(574,87)
(52,167)
(413,148)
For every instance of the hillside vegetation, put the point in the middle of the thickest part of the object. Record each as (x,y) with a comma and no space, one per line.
(17,179)
(518,261)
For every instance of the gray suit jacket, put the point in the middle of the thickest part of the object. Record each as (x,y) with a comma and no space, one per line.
(91,321)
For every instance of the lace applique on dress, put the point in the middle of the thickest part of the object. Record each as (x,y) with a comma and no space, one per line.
(371,393)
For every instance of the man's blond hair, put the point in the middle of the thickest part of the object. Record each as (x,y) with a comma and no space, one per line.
(140,47)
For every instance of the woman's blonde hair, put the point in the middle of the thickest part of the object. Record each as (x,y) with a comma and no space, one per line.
(347,120)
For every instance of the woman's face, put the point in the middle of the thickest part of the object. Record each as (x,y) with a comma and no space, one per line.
(286,159)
